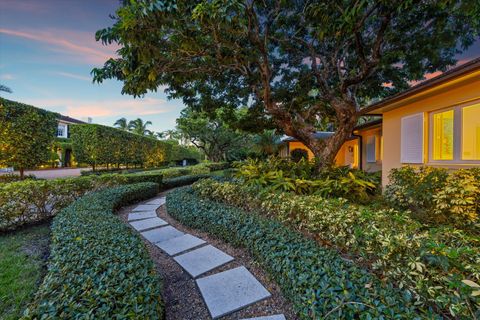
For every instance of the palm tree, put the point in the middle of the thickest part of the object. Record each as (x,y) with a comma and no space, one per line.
(5,88)
(267,142)
(139,127)
(122,124)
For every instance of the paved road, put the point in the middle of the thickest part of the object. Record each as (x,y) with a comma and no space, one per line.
(55,173)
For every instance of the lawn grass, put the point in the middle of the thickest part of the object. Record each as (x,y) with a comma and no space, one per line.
(22,260)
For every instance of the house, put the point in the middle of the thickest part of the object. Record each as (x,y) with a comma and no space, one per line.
(435,123)
(64,152)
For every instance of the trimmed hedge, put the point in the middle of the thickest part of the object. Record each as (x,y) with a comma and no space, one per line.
(182,181)
(99,268)
(32,201)
(317,280)
(101,145)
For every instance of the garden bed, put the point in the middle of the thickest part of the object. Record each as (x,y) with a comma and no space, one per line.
(317,280)
(99,268)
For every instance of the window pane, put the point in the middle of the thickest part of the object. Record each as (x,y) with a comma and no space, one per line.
(471,132)
(443,135)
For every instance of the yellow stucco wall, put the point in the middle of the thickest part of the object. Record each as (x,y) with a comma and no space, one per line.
(462,91)
(346,156)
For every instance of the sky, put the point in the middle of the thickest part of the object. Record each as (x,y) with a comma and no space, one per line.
(48,48)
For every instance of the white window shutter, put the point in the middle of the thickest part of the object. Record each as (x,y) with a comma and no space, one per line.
(371,149)
(412,139)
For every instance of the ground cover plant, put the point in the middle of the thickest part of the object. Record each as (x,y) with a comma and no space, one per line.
(29,201)
(99,268)
(438,265)
(22,261)
(319,282)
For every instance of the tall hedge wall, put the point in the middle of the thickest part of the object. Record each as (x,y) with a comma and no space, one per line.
(26,134)
(96,145)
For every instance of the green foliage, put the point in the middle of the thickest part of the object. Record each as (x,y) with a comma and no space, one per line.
(435,195)
(31,201)
(430,263)
(294,62)
(182,181)
(299,154)
(318,281)
(26,134)
(277,174)
(99,268)
(99,145)
(212,134)
(216,166)
(267,143)
(11,177)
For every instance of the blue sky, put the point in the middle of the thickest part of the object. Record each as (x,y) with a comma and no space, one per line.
(47,50)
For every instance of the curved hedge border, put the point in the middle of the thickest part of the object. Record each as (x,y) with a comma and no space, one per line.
(317,280)
(99,268)
(182,181)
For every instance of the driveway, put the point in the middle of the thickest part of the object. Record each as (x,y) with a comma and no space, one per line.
(55,173)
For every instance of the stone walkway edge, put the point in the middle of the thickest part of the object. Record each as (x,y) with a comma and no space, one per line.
(223,292)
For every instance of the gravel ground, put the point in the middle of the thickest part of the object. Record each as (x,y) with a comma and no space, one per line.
(181,296)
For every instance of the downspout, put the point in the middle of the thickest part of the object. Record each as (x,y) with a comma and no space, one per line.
(360,150)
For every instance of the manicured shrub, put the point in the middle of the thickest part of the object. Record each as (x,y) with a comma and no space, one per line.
(182,181)
(26,134)
(217,166)
(98,267)
(173,172)
(96,145)
(435,195)
(430,263)
(32,201)
(318,281)
(10,177)
(299,154)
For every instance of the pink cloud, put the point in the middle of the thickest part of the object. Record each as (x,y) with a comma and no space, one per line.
(103,108)
(79,45)
(73,76)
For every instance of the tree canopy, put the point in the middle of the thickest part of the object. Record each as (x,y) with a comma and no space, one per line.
(298,63)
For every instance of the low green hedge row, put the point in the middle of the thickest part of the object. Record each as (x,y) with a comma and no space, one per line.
(98,267)
(319,282)
(439,266)
(182,181)
(32,201)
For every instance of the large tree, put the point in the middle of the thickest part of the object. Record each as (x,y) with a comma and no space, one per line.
(298,62)
(139,126)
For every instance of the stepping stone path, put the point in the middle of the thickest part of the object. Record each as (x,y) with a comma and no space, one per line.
(223,292)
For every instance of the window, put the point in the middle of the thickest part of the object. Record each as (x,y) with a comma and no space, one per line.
(411,145)
(61,130)
(455,134)
(471,132)
(371,149)
(443,135)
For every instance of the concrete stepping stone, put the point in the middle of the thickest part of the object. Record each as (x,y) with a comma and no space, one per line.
(202,260)
(145,224)
(157,201)
(141,215)
(145,207)
(231,290)
(161,234)
(274,317)
(180,244)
